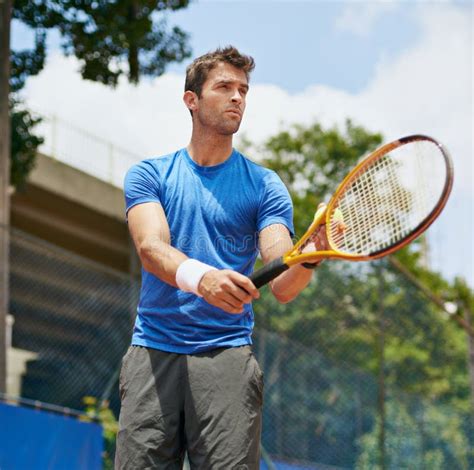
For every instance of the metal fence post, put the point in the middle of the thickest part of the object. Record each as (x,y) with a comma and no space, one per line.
(111,163)
(54,123)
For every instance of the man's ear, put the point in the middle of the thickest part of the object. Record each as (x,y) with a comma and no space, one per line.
(190,100)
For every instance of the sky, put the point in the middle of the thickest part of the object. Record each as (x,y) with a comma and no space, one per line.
(398,68)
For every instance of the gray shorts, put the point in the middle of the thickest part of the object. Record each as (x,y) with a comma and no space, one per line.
(208,405)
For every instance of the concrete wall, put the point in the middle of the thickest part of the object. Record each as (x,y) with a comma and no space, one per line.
(75,211)
(79,213)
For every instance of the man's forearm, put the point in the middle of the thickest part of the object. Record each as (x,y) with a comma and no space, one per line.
(290,283)
(160,259)
(225,289)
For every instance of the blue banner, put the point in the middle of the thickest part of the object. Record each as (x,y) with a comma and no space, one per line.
(36,440)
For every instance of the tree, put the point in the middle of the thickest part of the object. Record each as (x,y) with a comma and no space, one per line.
(344,297)
(111,39)
(414,348)
(24,142)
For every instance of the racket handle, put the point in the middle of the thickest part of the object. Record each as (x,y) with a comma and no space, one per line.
(268,272)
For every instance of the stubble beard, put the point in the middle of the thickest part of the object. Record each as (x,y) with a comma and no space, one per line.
(221,124)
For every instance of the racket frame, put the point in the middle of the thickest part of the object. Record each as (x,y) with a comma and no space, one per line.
(323,215)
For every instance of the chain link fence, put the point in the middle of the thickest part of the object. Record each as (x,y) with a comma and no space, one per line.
(72,315)
(348,366)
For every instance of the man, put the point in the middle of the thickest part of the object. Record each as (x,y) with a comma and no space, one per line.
(198,217)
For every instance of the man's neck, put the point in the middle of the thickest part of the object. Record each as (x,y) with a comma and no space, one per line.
(208,150)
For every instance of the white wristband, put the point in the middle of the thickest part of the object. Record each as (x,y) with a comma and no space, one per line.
(190,273)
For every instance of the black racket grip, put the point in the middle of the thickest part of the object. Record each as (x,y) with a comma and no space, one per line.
(268,272)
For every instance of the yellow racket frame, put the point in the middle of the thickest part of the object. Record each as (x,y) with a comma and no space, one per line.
(323,215)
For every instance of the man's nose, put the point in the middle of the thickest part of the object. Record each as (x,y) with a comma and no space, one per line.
(236,97)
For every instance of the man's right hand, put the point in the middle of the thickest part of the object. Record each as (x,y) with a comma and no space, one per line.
(228,290)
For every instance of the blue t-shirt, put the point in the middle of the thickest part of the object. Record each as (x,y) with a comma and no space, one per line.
(214,215)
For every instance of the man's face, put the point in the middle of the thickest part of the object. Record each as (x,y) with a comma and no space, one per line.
(222,102)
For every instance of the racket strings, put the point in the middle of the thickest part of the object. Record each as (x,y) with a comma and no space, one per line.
(374,230)
(387,200)
(362,191)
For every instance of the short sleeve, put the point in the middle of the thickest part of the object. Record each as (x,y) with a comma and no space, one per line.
(275,206)
(142,184)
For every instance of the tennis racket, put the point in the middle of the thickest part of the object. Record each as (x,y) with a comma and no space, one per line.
(391,197)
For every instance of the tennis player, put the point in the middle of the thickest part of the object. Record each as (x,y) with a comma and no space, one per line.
(198,218)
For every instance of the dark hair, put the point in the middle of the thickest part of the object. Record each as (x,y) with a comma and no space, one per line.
(197,72)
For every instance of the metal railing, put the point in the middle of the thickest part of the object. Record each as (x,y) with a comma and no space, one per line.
(84,150)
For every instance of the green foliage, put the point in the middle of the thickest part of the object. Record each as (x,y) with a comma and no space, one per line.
(106,417)
(340,312)
(24,145)
(463,296)
(26,63)
(417,436)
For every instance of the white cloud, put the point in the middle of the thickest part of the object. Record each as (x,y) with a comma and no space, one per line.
(427,89)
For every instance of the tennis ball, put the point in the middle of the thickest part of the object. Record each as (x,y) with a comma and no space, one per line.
(337,216)
(338,221)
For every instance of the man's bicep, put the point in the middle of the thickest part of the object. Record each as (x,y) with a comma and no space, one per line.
(274,241)
(148,220)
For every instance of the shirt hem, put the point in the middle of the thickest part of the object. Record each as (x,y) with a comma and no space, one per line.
(143,200)
(191,350)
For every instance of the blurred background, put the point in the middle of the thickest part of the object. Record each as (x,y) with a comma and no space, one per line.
(373,365)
